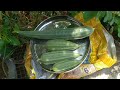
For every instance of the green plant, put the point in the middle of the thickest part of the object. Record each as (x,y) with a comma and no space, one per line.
(11,21)
(110,19)
(9,41)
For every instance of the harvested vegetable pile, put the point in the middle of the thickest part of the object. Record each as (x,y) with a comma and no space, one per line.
(58,58)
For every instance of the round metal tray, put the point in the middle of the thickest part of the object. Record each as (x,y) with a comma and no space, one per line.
(37,46)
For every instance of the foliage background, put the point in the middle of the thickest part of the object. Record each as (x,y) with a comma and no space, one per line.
(11,21)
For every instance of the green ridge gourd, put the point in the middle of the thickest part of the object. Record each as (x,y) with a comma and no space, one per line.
(59,33)
(60,44)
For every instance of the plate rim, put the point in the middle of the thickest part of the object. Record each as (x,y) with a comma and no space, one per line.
(48,20)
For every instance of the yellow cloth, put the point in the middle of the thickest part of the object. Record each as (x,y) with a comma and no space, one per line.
(99,55)
(29,69)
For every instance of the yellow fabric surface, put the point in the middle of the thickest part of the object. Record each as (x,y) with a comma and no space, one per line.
(29,69)
(99,55)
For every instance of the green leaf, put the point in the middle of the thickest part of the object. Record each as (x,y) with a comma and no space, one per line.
(14,41)
(108,16)
(8,36)
(2,44)
(117,20)
(119,31)
(6,21)
(112,21)
(5,33)
(4,48)
(7,51)
(101,14)
(16,28)
(89,15)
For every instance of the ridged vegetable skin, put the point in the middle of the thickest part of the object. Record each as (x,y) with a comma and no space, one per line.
(60,44)
(65,65)
(60,33)
(54,56)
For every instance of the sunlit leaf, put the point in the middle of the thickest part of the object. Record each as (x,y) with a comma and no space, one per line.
(112,21)
(108,16)
(117,20)
(101,14)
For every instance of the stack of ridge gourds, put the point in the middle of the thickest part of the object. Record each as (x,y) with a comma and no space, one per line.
(60,48)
